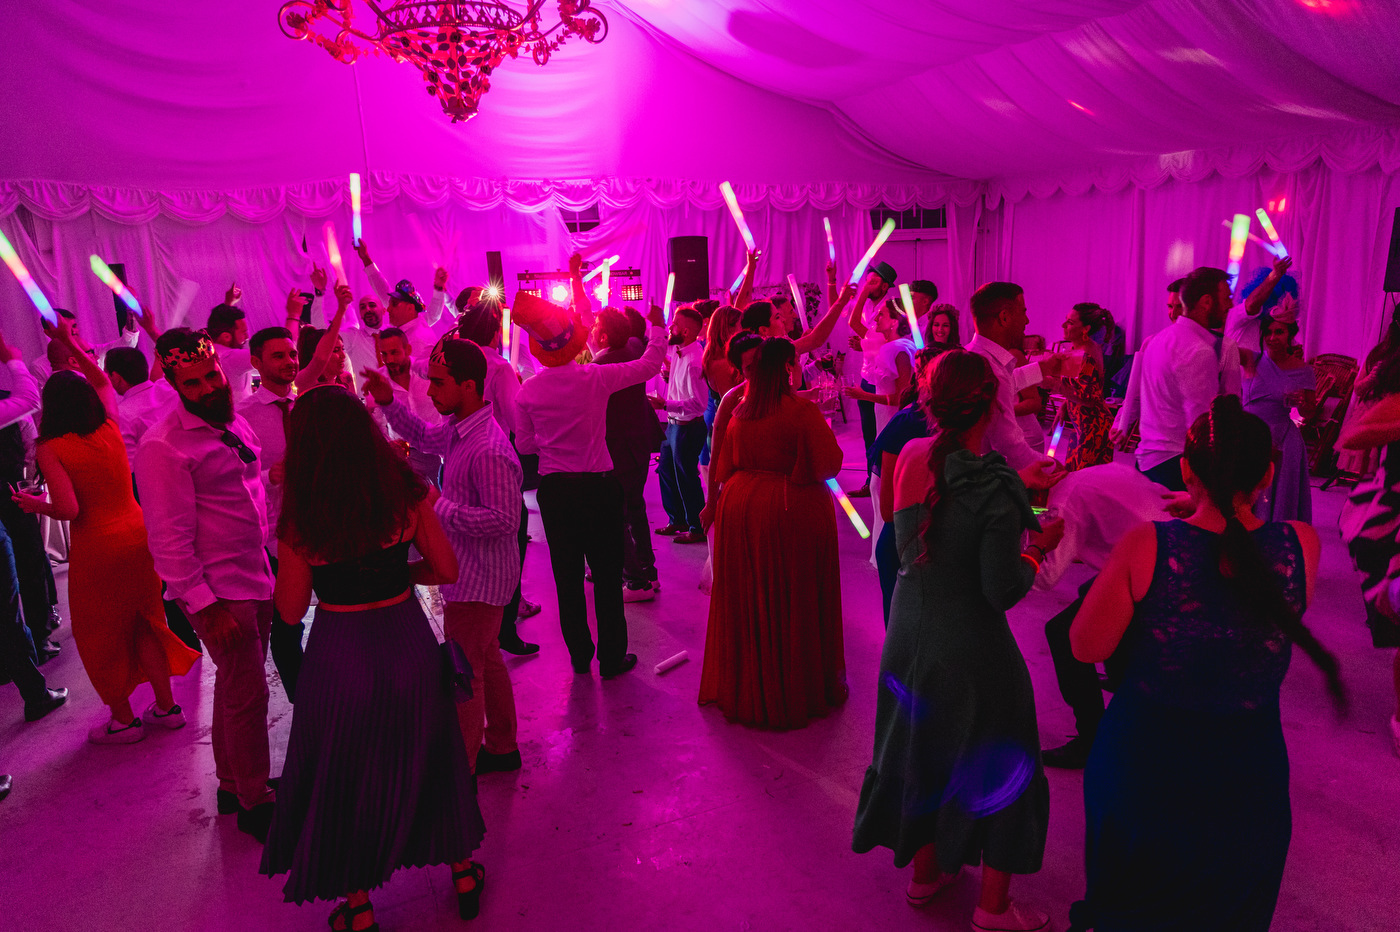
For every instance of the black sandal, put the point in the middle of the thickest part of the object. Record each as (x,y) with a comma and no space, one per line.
(348,913)
(469,903)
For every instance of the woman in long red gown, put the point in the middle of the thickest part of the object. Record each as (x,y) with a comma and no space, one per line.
(774,654)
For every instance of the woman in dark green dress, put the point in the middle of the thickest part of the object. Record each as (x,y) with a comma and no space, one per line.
(956,777)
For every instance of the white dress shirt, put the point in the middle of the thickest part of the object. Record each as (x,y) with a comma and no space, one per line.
(687,395)
(24,394)
(238,369)
(480,503)
(563,409)
(140,407)
(263,412)
(1004,435)
(1183,369)
(206,519)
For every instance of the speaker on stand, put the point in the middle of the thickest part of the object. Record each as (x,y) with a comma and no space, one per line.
(689,258)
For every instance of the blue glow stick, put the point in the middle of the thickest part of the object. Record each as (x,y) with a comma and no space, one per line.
(26,281)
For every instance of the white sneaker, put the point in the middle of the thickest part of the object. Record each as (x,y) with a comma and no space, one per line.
(1017,918)
(919,894)
(1395,734)
(111,732)
(641,594)
(173,719)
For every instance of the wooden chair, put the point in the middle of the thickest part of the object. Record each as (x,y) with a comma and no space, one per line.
(1336,378)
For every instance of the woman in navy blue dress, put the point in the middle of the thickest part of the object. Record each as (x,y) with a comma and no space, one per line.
(1186,790)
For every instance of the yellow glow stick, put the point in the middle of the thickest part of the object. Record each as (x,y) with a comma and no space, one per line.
(850,509)
(914,330)
(355,208)
(505,332)
(333,251)
(26,281)
(798,303)
(830,243)
(109,278)
(1268,225)
(1239,235)
(598,269)
(880,238)
(726,189)
(670,289)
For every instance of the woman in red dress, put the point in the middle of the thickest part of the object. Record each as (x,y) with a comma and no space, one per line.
(774,655)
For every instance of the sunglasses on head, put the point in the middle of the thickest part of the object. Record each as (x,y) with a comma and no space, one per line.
(236,444)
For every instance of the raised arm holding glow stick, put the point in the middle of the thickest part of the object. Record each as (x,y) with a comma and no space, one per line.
(738,280)
(1239,235)
(670,289)
(830,243)
(1268,226)
(26,281)
(880,238)
(109,278)
(726,189)
(914,331)
(850,509)
(355,228)
(798,304)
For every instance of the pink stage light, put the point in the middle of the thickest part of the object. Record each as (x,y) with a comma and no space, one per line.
(560,293)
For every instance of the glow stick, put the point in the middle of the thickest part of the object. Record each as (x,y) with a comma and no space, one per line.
(727,190)
(333,252)
(1239,235)
(109,278)
(598,269)
(505,332)
(607,284)
(798,302)
(1268,225)
(355,208)
(880,238)
(850,509)
(1263,244)
(914,330)
(670,289)
(1055,439)
(671,662)
(734,288)
(830,243)
(26,281)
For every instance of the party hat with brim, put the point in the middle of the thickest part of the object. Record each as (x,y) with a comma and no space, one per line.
(556,335)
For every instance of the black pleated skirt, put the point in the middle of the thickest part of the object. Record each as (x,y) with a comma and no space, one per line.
(376,776)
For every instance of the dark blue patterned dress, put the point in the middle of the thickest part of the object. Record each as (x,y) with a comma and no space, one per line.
(1186,792)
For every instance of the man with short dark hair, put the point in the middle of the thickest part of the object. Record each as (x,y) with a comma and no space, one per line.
(480,512)
(228,329)
(199,478)
(924,295)
(685,402)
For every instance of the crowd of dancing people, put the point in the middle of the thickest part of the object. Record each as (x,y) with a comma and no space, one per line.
(218,486)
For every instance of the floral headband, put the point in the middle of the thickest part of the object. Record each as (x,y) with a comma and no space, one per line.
(179,357)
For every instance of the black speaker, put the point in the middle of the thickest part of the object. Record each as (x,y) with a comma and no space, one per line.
(1392,265)
(495,274)
(690,260)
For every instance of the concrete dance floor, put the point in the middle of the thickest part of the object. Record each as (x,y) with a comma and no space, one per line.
(636,809)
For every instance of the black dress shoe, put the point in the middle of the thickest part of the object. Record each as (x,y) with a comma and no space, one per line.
(46,651)
(520,648)
(5,783)
(226,801)
(257,821)
(53,698)
(628,663)
(488,762)
(1072,755)
(583,669)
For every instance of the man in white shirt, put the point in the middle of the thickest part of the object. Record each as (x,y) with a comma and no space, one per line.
(687,396)
(268,411)
(396,351)
(563,418)
(999,314)
(228,328)
(480,513)
(42,367)
(1183,369)
(1131,408)
(200,483)
(143,400)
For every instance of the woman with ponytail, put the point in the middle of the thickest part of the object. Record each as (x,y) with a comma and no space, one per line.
(1186,791)
(956,776)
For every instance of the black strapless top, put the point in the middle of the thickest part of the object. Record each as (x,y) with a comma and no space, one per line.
(373,577)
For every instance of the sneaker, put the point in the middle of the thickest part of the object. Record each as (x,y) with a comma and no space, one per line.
(110,732)
(1017,918)
(919,894)
(641,593)
(1395,734)
(527,608)
(173,719)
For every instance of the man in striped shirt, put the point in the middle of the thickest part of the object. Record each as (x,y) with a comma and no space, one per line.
(480,511)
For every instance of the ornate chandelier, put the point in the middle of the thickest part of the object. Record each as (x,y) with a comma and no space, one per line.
(455,45)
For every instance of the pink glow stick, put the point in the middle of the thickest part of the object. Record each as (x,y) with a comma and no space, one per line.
(850,509)
(797,301)
(1268,225)
(355,228)
(914,330)
(109,278)
(880,238)
(726,189)
(26,281)
(333,252)
(670,289)
(830,243)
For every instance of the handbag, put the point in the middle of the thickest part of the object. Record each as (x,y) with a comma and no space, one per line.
(457,669)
